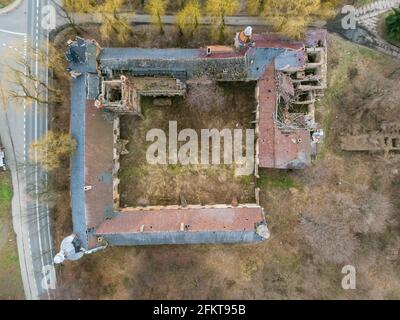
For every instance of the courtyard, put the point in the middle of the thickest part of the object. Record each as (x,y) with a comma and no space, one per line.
(207,106)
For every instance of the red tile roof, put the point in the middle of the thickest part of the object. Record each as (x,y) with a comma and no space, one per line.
(221,52)
(274,41)
(98,164)
(196,219)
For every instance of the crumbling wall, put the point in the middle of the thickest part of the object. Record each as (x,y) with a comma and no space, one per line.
(116,163)
(228,69)
(387,140)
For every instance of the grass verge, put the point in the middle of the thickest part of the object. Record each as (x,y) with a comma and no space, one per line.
(10,277)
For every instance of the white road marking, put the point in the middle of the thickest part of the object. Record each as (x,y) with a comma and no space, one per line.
(25,159)
(46,127)
(36,112)
(36,138)
(14,33)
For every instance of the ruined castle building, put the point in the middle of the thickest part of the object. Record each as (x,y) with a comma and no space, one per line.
(108,82)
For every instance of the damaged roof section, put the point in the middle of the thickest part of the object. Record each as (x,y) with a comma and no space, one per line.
(180,63)
(76,52)
(82,56)
(286,93)
(285,87)
(277,148)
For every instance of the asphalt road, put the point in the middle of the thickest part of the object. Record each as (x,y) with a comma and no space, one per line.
(21,123)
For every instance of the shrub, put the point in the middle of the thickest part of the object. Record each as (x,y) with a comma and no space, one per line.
(393,24)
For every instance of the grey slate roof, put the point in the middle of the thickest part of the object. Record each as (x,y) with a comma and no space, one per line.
(157,238)
(82,56)
(186,62)
(115,55)
(288,58)
(259,59)
(93,86)
(78,106)
(76,52)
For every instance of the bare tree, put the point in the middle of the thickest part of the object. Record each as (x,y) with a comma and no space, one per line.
(27,83)
(52,149)
(66,13)
(335,243)
(113,25)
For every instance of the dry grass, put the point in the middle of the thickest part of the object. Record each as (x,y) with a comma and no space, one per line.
(144,184)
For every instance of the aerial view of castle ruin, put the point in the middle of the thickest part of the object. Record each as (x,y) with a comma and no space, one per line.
(181,151)
(290,77)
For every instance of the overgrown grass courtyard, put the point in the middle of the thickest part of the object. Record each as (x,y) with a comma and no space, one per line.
(206,107)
